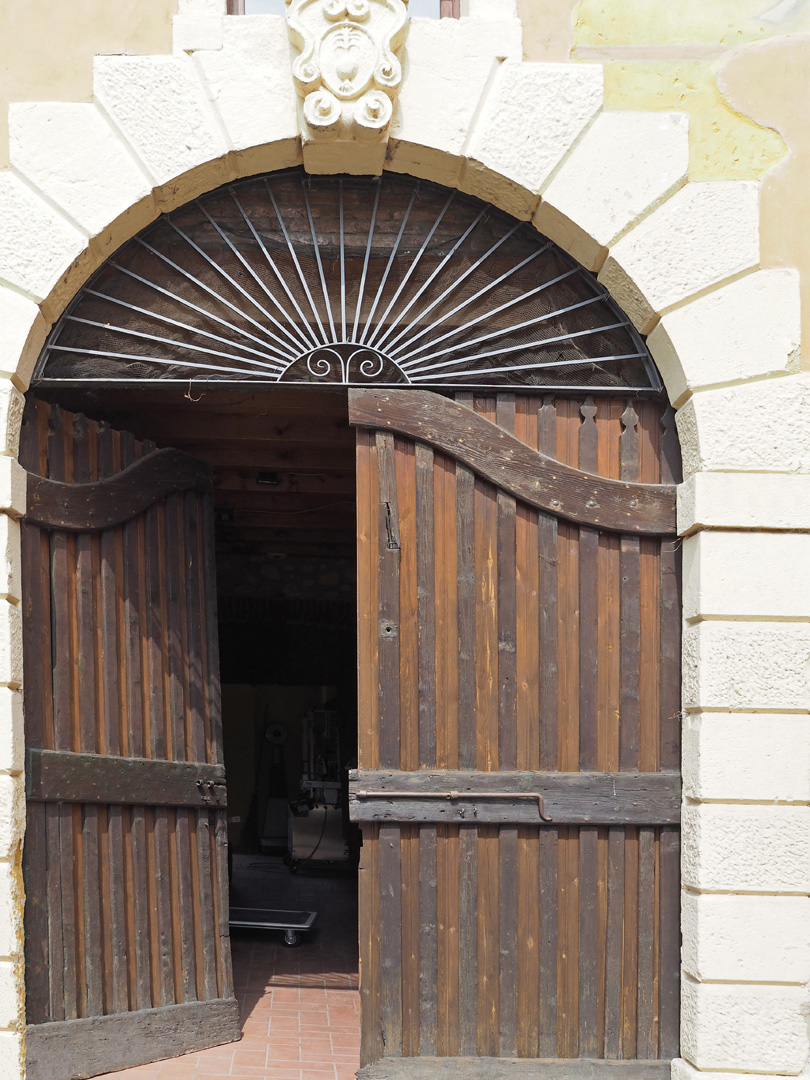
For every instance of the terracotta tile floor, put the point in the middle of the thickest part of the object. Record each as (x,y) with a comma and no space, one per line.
(300,1007)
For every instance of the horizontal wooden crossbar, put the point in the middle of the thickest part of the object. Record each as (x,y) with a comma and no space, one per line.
(53,504)
(58,776)
(527,798)
(72,1049)
(429,1068)
(496,455)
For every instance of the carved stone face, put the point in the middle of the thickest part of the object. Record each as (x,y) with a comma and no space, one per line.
(347,55)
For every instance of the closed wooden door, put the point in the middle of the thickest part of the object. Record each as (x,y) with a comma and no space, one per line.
(126,919)
(518,787)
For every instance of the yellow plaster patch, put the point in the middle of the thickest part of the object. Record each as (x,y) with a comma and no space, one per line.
(603,23)
(723,144)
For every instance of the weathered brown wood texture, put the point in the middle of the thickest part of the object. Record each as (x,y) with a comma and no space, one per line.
(126,897)
(495,636)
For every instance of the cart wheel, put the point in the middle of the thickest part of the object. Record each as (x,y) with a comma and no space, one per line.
(291,939)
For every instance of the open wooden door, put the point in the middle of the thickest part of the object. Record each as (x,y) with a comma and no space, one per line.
(518,788)
(126,919)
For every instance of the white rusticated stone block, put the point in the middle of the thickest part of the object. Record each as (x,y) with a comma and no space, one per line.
(12,996)
(743,501)
(531,117)
(250,84)
(446,65)
(732,574)
(13,479)
(707,232)
(747,756)
(762,426)
(748,328)
(12,735)
(742,666)
(12,815)
(735,847)
(625,164)
(756,1028)
(746,938)
(193,32)
(12,404)
(11,668)
(11,903)
(70,152)
(10,585)
(682,1070)
(22,335)
(160,108)
(37,245)
(12,1055)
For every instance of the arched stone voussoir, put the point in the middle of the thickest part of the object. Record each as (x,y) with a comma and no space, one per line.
(531,117)
(22,334)
(705,234)
(447,65)
(159,107)
(625,165)
(72,154)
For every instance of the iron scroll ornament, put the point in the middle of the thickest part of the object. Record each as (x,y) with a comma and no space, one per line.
(349,280)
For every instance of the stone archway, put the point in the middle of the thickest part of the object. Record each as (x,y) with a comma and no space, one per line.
(680,257)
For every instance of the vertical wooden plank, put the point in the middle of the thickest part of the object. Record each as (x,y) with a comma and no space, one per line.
(426,607)
(37,952)
(670,608)
(669,951)
(465,534)
(547,1036)
(527,608)
(468,941)
(405,460)
(428,941)
(588,747)
(390,939)
(445,588)
(488,942)
(57,898)
(367,600)
(529,943)
(388,612)
(647,1011)
(372,1047)
(411,944)
(447,915)
(486,613)
(630,569)
(630,957)
(614,944)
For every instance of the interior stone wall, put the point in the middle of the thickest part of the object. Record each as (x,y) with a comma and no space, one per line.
(708,264)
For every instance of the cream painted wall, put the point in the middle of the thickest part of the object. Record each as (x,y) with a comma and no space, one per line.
(47,46)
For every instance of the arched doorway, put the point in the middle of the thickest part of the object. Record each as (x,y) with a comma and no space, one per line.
(518,613)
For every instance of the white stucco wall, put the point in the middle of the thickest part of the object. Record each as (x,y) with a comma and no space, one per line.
(680,257)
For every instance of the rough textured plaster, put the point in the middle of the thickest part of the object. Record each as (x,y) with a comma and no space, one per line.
(771,83)
(47,48)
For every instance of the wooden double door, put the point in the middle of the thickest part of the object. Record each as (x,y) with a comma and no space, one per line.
(518,786)
(518,789)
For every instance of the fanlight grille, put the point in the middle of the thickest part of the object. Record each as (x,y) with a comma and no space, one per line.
(290,278)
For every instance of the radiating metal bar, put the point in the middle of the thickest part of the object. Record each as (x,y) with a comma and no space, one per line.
(342,268)
(151,360)
(426,284)
(280,365)
(464,304)
(365,262)
(294,256)
(454,284)
(411,268)
(207,289)
(174,322)
(297,340)
(235,285)
(193,307)
(522,347)
(279,276)
(506,329)
(389,264)
(317,252)
(530,367)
